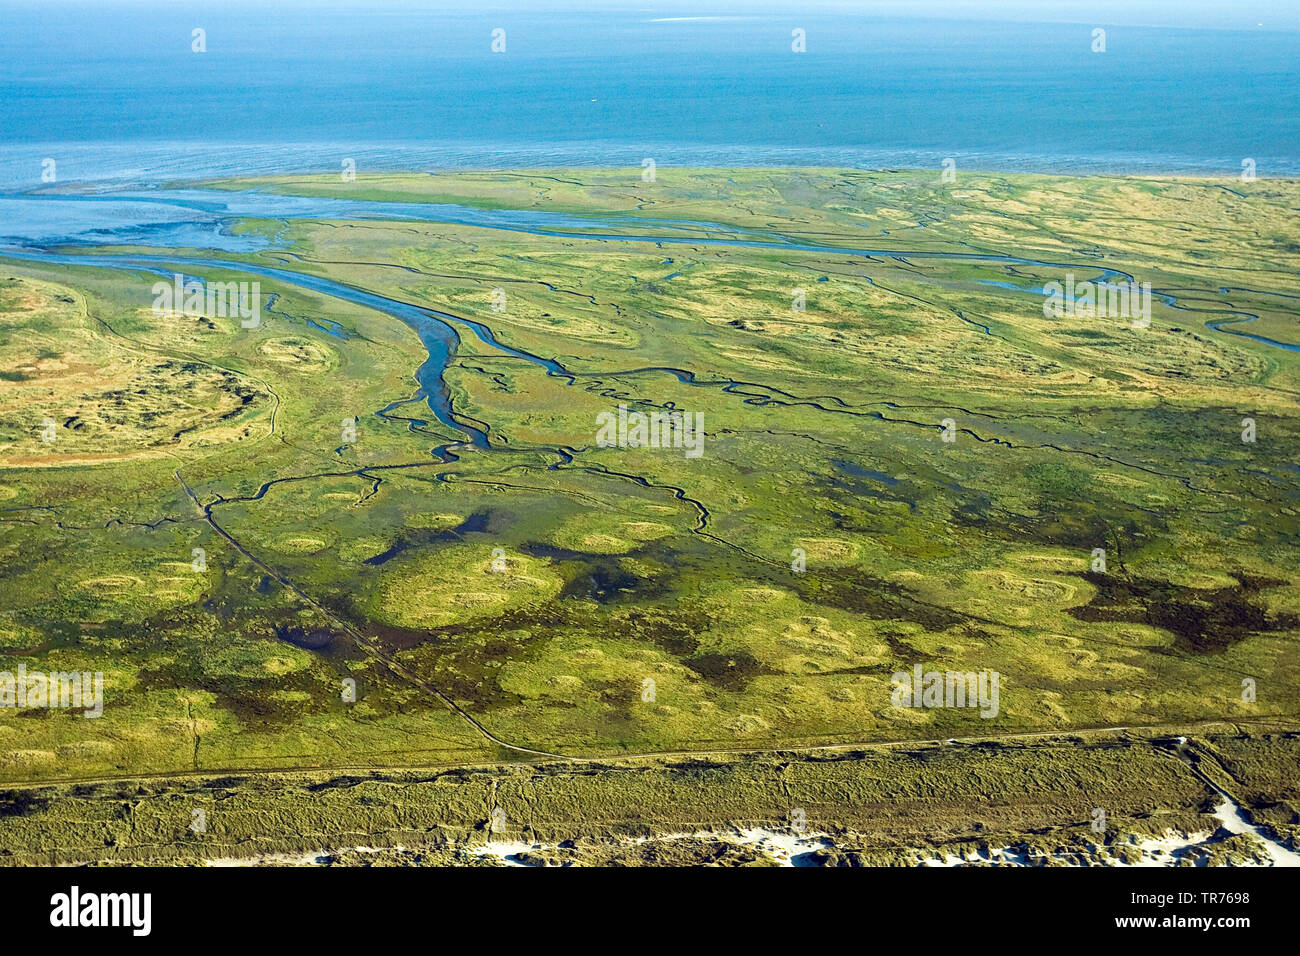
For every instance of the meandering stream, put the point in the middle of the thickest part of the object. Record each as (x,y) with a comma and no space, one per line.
(204,219)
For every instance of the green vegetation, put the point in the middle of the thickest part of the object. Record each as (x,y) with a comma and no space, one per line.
(548,597)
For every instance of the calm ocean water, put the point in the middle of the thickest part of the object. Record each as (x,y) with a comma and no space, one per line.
(114,91)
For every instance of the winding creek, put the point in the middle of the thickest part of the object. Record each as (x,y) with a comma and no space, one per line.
(39,224)
(208,219)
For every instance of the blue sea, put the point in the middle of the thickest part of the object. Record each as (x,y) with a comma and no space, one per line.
(112,90)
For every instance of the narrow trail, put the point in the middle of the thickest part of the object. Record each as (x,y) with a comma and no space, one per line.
(1231,724)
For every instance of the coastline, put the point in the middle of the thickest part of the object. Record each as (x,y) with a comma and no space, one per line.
(155,162)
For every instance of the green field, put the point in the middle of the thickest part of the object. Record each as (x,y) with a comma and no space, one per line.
(546,598)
